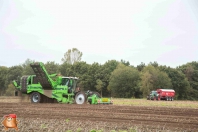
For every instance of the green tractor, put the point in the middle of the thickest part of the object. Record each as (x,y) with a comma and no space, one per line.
(45,88)
(153,95)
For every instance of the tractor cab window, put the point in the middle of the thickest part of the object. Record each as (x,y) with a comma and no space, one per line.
(70,83)
(154,93)
(34,80)
(74,84)
(29,81)
(65,81)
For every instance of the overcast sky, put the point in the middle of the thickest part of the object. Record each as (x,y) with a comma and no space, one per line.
(137,31)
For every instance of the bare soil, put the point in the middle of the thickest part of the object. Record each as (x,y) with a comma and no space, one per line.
(62,117)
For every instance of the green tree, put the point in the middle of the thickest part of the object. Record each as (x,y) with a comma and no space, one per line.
(105,73)
(152,78)
(155,64)
(141,66)
(190,70)
(65,69)
(124,81)
(99,85)
(72,55)
(94,73)
(3,74)
(126,63)
(10,90)
(179,82)
(146,83)
(81,70)
(52,67)
(13,73)
(27,69)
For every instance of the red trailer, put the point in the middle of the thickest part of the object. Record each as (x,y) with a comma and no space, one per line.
(166,94)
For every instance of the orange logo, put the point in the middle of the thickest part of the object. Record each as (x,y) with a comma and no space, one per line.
(10,121)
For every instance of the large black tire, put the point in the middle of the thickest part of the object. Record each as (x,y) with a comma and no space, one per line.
(36,97)
(24,84)
(80,98)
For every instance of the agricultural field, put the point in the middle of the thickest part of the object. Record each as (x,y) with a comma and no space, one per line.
(125,115)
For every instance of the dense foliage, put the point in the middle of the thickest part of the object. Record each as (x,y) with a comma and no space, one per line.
(115,78)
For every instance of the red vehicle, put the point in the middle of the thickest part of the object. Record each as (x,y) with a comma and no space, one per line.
(165,94)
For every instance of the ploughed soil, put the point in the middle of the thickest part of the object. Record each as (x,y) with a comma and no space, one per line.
(63,117)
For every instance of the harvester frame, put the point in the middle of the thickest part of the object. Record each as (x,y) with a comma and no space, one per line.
(45,88)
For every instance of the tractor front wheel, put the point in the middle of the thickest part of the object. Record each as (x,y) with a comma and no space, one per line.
(35,97)
(80,98)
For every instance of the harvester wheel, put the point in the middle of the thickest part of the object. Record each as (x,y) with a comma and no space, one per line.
(80,98)
(35,97)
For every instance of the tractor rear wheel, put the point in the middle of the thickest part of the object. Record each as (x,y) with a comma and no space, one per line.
(80,98)
(35,97)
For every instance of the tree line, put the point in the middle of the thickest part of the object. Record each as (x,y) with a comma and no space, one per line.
(113,78)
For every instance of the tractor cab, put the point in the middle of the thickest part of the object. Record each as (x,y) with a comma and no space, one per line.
(70,82)
(152,95)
